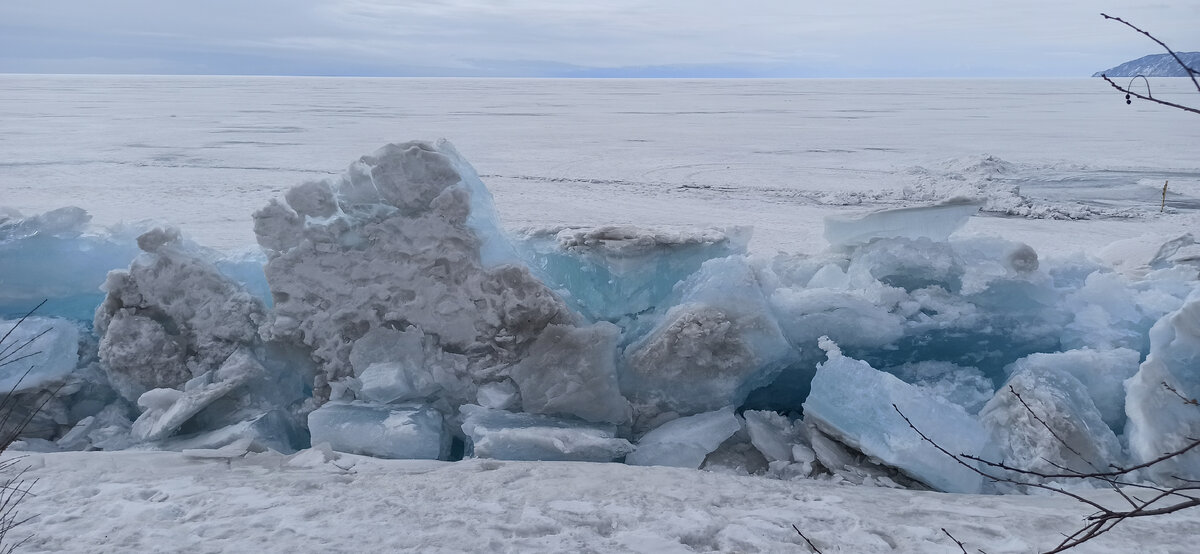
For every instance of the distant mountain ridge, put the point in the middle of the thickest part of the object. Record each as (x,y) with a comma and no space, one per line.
(1154,65)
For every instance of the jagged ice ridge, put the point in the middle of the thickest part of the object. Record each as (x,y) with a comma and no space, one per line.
(388,314)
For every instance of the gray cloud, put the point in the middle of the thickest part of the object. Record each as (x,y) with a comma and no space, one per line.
(570,38)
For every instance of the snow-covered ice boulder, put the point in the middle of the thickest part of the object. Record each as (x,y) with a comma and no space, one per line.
(381,430)
(1102,373)
(853,402)
(572,371)
(1071,433)
(406,237)
(716,344)
(684,442)
(170,317)
(522,436)
(404,366)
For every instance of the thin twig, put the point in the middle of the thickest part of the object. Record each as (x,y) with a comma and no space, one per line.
(956,541)
(810,543)
(1192,73)
(1150,98)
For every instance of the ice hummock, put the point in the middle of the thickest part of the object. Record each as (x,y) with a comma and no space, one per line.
(406,237)
(393,288)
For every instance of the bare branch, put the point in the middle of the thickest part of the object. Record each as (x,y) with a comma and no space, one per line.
(810,544)
(956,541)
(1192,73)
(1150,98)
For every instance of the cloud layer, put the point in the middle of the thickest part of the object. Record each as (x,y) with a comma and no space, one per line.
(545,38)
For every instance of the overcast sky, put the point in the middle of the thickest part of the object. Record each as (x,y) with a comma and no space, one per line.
(550,38)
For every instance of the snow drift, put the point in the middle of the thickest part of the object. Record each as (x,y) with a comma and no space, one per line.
(392,317)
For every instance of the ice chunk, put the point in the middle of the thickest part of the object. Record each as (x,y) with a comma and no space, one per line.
(394,366)
(857,317)
(274,430)
(1073,437)
(616,272)
(498,395)
(572,371)
(773,434)
(934,222)
(1161,401)
(107,430)
(521,436)
(1107,312)
(963,385)
(711,349)
(170,317)
(906,263)
(1102,373)
(48,348)
(406,237)
(985,259)
(685,442)
(380,430)
(853,401)
(53,257)
(166,410)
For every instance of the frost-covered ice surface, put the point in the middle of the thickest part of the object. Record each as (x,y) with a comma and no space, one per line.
(206,152)
(319,501)
(633,315)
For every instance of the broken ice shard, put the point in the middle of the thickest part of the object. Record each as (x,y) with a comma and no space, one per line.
(935,222)
(1161,401)
(520,436)
(685,442)
(853,402)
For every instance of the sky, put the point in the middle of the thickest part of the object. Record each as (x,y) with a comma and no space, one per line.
(591,38)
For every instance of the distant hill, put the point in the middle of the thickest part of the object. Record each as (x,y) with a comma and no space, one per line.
(1154,65)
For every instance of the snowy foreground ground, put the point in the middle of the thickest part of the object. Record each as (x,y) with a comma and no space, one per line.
(167,502)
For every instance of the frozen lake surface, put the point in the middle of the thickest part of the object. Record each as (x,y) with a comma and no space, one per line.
(205,152)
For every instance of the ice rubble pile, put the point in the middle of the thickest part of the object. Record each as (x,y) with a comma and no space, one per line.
(393,318)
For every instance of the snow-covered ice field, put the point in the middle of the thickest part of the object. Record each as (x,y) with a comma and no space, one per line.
(205,152)
(1062,165)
